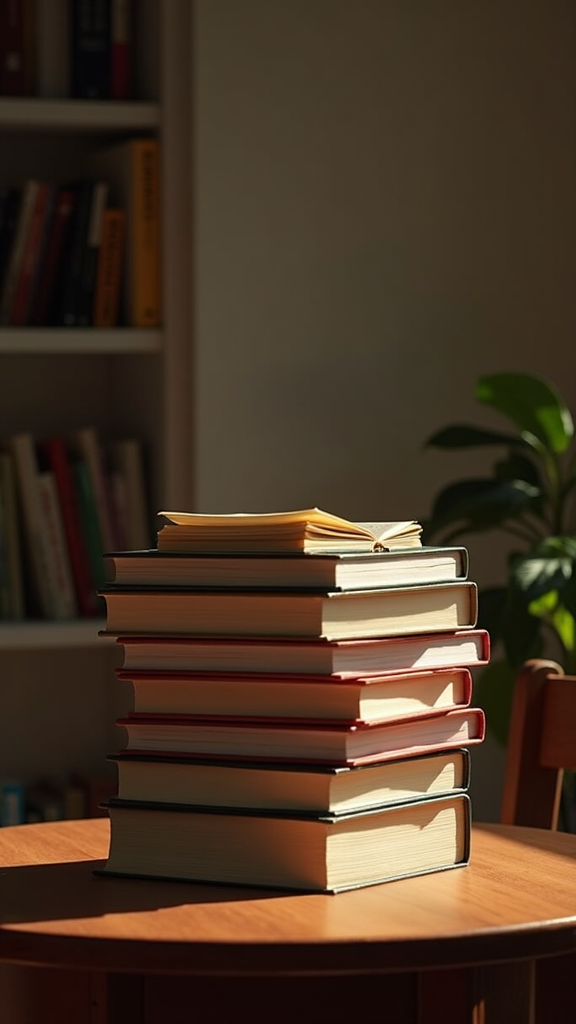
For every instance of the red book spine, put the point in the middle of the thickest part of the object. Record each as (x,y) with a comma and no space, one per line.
(30,255)
(56,454)
(120,56)
(13,79)
(51,261)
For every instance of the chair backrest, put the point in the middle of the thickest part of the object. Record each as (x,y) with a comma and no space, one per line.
(541,744)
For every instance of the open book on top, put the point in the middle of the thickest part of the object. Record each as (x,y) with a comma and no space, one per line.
(308,530)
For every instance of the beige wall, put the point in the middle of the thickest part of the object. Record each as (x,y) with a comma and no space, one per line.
(385,209)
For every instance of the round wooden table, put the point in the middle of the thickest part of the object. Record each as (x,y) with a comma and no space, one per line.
(143,950)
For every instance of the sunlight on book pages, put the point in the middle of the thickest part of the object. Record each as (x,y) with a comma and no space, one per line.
(309,530)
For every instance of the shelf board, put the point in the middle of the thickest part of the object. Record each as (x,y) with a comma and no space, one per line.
(18,636)
(57,340)
(77,115)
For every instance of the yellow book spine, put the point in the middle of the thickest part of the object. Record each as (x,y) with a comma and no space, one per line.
(110,265)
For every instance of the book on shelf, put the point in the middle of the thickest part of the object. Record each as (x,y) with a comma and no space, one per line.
(288,851)
(316,789)
(89,521)
(10,199)
(52,49)
(17,48)
(55,452)
(335,615)
(126,460)
(346,657)
(121,49)
(27,206)
(42,305)
(132,167)
(370,698)
(12,592)
(85,443)
(308,530)
(40,554)
(91,255)
(337,743)
(67,306)
(106,308)
(90,49)
(22,298)
(344,571)
(61,579)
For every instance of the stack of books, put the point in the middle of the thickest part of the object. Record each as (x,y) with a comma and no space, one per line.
(301,702)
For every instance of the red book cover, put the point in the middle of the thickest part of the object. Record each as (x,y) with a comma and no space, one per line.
(468,647)
(299,697)
(30,255)
(56,455)
(272,739)
(48,272)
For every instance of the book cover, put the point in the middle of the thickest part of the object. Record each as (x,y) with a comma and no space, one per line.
(356,698)
(106,309)
(337,743)
(90,49)
(281,850)
(385,654)
(335,615)
(133,169)
(345,571)
(315,789)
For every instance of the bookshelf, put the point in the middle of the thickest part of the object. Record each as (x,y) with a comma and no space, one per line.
(58,692)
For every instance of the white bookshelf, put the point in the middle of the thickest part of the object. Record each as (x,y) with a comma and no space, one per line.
(125,382)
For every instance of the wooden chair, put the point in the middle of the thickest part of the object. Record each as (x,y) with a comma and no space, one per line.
(541,747)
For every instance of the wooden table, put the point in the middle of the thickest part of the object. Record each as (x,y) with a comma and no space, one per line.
(454,946)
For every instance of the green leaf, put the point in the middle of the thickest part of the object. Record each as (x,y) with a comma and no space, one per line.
(518,467)
(480,504)
(491,606)
(465,436)
(494,689)
(532,404)
(537,574)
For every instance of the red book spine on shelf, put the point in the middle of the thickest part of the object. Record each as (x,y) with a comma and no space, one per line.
(30,255)
(56,454)
(48,272)
(120,55)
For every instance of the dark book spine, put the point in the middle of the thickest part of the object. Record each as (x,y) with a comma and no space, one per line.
(9,210)
(67,303)
(121,49)
(50,263)
(91,253)
(15,32)
(90,45)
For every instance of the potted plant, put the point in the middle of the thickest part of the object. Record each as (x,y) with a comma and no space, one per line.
(528,496)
